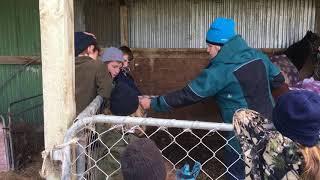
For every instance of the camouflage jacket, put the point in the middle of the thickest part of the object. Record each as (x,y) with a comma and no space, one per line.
(267,154)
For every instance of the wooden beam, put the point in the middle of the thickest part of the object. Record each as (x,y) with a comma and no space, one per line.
(20,60)
(57,54)
(152,52)
(124,24)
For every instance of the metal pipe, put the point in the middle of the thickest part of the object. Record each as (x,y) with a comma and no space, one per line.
(17,72)
(21,100)
(90,110)
(11,144)
(148,122)
(5,132)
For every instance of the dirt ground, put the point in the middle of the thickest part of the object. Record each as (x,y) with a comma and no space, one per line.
(29,172)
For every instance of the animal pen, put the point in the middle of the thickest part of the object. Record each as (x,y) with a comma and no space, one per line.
(168,41)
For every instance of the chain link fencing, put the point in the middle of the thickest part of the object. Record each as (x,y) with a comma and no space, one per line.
(93,144)
(101,140)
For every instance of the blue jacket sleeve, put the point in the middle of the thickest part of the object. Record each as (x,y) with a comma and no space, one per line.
(275,76)
(205,85)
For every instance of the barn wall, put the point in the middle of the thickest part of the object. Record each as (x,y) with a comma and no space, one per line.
(183,23)
(159,71)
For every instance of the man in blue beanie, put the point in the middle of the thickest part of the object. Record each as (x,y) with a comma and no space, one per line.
(238,76)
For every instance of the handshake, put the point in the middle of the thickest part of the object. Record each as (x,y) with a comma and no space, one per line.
(145,101)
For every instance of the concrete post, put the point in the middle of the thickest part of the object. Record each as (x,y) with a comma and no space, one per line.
(57,52)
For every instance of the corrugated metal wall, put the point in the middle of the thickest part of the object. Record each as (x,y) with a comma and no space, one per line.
(19,28)
(103,19)
(20,36)
(183,23)
(23,84)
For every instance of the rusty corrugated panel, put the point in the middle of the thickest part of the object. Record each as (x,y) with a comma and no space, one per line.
(24,83)
(102,17)
(183,23)
(19,28)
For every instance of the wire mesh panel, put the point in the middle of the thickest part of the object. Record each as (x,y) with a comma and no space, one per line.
(101,139)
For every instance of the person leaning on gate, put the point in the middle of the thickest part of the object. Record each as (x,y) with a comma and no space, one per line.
(91,78)
(125,74)
(124,101)
(237,76)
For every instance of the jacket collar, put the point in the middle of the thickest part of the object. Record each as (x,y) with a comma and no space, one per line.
(236,50)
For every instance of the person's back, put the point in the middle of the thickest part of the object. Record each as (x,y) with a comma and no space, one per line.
(89,75)
(91,78)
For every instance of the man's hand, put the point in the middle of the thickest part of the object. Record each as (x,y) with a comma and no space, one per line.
(145,102)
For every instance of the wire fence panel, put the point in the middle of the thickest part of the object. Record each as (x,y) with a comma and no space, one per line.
(100,140)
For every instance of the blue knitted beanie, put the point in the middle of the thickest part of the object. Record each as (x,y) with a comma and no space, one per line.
(82,41)
(221,31)
(297,116)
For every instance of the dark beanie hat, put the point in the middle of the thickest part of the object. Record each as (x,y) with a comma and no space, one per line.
(297,116)
(82,41)
(124,100)
(142,160)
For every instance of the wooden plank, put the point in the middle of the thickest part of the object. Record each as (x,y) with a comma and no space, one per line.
(124,24)
(184,52)
(57,54)
(20,60)
(138,53)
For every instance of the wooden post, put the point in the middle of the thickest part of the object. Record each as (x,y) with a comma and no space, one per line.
(57,54)
(317,26)
(123,23)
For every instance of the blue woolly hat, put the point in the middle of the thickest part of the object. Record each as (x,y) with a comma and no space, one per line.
(297,116)
(221,31)
(82,41)
(112,54)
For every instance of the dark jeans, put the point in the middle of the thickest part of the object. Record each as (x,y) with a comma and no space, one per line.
(237,169)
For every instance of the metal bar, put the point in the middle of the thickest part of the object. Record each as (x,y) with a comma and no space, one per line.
(26,110)
(21,100)
(16,73)
(11,144)
(5,132)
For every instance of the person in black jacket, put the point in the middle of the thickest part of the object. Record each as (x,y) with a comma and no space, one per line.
(124,74)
